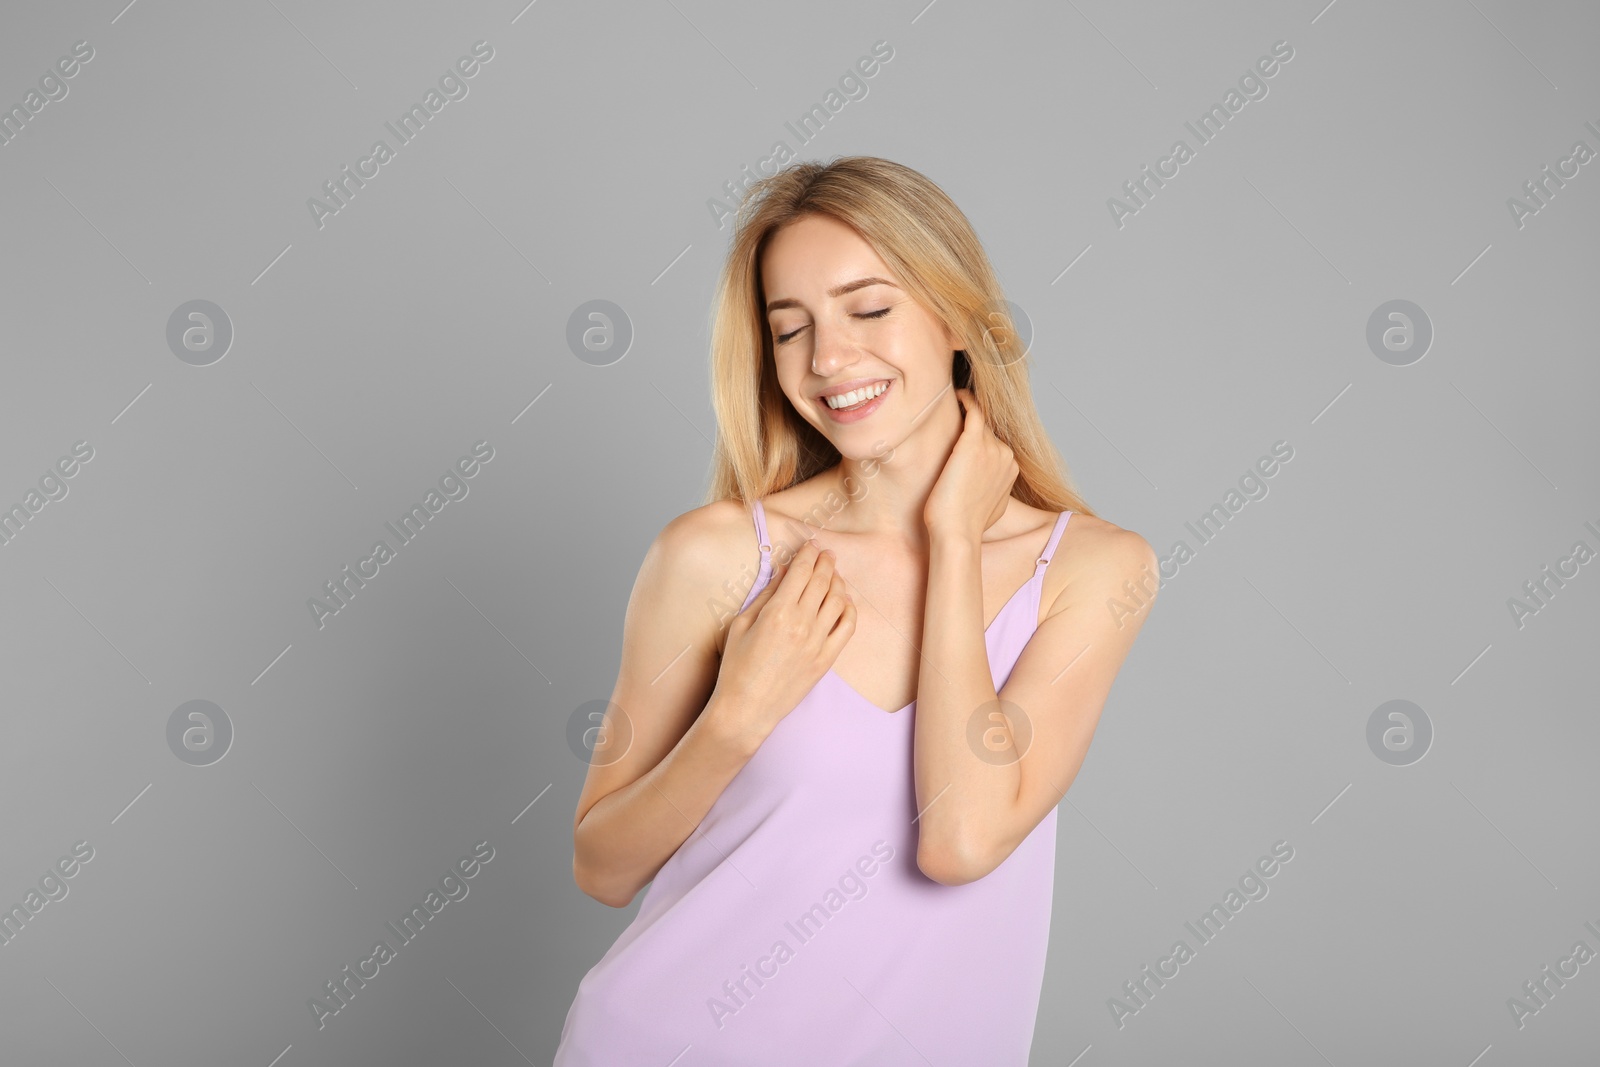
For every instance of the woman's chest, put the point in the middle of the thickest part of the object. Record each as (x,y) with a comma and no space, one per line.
(882,662)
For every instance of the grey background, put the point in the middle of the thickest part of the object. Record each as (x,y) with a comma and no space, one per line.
(369,354)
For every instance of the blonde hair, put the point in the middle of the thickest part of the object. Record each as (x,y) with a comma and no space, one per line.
(763,445)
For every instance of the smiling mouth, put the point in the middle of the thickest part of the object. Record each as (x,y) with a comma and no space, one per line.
(856,399)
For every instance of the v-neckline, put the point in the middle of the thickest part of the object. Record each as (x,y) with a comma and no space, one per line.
(898,711)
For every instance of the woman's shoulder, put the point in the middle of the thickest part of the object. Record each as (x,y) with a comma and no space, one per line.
(1095,542)
(812,502)
(1081,531)
(704,548)
(1086,528)
(1095,552)
(694,564)
(704,537)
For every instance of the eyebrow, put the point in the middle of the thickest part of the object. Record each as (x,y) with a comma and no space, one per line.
(838,290)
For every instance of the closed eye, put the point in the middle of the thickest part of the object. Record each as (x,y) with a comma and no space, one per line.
(880,313)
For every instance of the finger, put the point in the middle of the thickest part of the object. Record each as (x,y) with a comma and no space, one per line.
(974,409)
(798,570)
(969,406)
(833,604)
(843,627)
(822,575)
(776,582)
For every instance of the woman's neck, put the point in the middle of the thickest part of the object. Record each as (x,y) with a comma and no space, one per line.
(887,490)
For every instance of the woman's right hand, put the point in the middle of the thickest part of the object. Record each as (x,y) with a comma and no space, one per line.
(785,641)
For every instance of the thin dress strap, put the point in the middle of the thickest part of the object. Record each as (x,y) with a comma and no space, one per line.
(765,574)
(761,529)
(1055,537)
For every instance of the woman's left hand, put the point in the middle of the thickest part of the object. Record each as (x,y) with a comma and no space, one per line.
(971,492)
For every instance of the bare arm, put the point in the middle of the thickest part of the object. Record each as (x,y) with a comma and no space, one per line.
(666,755)
(671,749)
(1041,721)
(979,799)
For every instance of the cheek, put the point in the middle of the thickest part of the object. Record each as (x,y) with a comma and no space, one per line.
(787,385)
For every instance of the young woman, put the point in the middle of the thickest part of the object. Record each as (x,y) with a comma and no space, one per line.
(843,791)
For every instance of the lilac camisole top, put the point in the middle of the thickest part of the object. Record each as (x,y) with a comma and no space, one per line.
(793,926)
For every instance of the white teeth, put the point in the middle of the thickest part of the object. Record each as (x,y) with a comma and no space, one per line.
(856,396)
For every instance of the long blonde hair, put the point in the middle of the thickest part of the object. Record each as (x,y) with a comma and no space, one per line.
(763,445)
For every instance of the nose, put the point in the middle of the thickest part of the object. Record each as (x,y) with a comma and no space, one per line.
(833,350)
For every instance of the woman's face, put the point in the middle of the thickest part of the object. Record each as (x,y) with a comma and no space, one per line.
(833,335)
